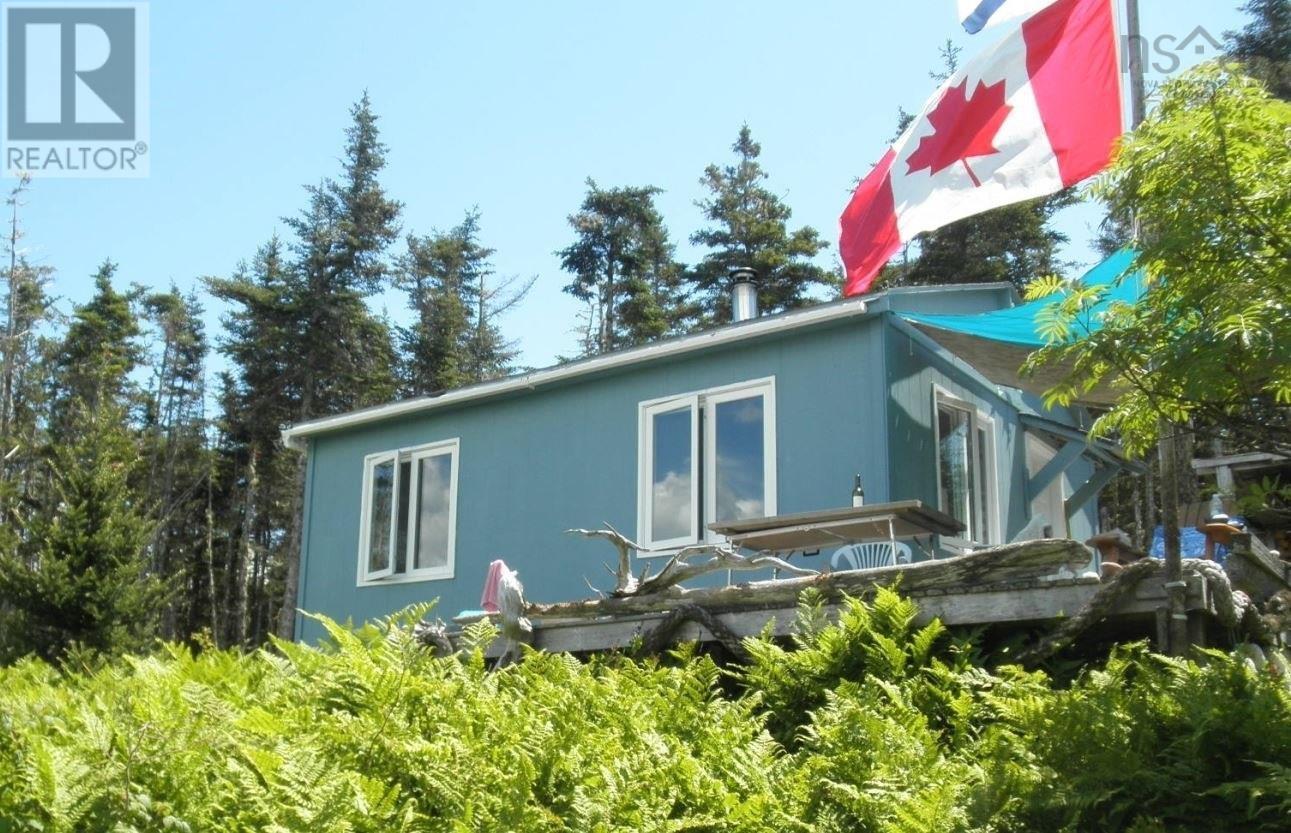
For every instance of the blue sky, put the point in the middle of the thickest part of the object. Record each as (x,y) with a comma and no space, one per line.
(508,107)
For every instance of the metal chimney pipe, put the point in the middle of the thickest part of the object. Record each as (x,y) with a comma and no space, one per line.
(744,294)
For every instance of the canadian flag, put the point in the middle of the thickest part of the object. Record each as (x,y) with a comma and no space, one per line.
(1038,111)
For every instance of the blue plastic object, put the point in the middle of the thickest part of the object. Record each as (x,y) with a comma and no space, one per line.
(1017,325)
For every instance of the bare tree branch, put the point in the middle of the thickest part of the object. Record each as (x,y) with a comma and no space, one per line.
(679,568)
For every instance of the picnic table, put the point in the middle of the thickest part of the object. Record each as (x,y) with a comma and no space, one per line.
(812,531)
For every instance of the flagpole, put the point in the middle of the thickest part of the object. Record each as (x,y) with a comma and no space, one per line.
(1175,627)
(1133,42)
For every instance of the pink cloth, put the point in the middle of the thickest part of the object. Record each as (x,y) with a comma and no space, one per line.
(489,599)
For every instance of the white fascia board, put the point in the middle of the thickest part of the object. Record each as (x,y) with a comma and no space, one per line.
(294,436)
(980,286)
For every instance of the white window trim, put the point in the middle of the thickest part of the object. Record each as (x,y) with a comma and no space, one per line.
(370,463)
(987,422)
(714,398)
(977,418)
(645,506)
(411,454)
(701,473)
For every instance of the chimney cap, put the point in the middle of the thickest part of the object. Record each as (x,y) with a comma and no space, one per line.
(744,294)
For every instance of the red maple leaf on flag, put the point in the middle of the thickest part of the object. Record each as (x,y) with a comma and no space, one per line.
(962,128)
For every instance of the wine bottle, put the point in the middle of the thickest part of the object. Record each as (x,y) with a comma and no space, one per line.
(858,493)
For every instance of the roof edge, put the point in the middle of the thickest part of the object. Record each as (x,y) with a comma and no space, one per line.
(295,436)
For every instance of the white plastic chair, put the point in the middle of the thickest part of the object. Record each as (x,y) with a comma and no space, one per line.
(869,556)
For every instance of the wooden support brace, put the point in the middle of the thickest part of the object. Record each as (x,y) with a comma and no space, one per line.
(1100,478)
(1055,467)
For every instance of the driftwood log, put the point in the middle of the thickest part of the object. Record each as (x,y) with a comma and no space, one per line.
(1233,608)
(1103,602)
(625,584)
(1000,566)
(680,566)
(664,633)
(434,635)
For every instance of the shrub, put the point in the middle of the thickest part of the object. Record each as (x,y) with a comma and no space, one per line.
(874,723)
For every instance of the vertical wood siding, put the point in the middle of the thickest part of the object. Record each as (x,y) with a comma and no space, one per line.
(533,465)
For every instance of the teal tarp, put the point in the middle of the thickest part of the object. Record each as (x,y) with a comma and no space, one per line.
(1017,325)
(997,343)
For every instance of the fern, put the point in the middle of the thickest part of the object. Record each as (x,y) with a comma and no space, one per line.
(877,721)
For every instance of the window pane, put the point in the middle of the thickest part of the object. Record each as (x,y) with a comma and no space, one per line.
(671,492)
(379,517)
(957,486)
(401,519)
(435,478)
(740,475)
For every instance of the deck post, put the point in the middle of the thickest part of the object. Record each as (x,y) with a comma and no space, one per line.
(1198,629)
(1163,629)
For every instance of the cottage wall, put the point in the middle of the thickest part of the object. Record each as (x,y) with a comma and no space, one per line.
(915,368)
(535,464)
(851,396)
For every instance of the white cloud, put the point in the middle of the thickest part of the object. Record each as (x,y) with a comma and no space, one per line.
(672,506)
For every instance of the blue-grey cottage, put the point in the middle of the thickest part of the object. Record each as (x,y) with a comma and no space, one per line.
(776,414)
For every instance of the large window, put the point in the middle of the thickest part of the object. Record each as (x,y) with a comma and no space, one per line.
(966,482)
(705,457)
(409,522)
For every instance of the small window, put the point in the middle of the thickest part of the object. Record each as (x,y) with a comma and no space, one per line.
(985,456)
(671,450)
(705,457)
(736,440)
(380,516)
(966,484)
(409,514)
(431,526)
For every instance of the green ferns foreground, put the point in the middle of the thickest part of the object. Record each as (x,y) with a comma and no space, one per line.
(872,724)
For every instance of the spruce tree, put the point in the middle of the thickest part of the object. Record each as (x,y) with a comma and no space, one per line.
(77,574)
(26,389)
(441,273)
(489,353)
(750,227)
(174,445)
(99,351)
(255,477)
(261,333)
(623,269)
(1263,46)
(26,306)
(252,517)
(338,364)
(344,356)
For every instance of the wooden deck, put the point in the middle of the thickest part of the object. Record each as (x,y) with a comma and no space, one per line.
(1034,603)
(1031,582)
